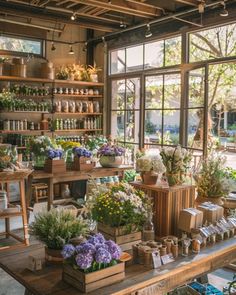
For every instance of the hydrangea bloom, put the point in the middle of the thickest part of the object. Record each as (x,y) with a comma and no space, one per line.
(103,256)
(67,251)
(82,152)
(113,249)
(86,248)
(84,261)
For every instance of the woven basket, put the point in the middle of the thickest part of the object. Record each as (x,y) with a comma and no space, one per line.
(14,175)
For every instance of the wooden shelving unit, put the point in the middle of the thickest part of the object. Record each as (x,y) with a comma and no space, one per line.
(78,114)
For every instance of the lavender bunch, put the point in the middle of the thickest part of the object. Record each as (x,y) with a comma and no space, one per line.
(111,150)
(82,152)
(94,254)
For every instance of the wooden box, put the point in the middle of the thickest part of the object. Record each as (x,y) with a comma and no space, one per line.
(189,219)
(55,166)
(94,280)
(167,204)
(83,164)
(120,235)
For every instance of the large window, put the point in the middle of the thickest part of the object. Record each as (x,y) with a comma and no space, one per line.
(21,45)
(146,56)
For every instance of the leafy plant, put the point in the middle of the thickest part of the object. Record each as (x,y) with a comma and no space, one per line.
(3,59)
(56,227)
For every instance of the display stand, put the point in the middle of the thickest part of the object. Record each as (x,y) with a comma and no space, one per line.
(167,204)
(5,179)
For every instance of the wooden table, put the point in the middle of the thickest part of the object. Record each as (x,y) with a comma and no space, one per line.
(167,204)
(138,278)
(68,176)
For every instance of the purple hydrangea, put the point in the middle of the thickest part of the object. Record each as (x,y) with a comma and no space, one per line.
(99,245)
(82,152)
(111,150)
(98,237)
(86,248)
(68,251)
(103,256)
(113,249)
(54,153)
(84,261)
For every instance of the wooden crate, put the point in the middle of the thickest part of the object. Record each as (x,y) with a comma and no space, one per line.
(120,235)
(55,166)
(95,280)
(38,191)
(83,164)
(167,204)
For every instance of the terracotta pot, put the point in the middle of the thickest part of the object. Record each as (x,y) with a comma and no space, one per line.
(53,256)
(148,178)
(217,200)
(111,161)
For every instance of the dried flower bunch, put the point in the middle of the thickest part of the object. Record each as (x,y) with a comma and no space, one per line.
(94,254)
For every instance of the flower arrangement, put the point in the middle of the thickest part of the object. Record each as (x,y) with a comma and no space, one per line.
(177,162)
(55,154)
(63,73)
(122,205)
(95,142)
(94,254)
(40,145)
(55,228)
(82,152)
(3,59)
(109,149)
(152,163)
(67,145)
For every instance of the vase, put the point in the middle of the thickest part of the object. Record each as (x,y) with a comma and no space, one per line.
(173,179)
(148,178)
(53,256)
(216,200)
(111,161)
(39,162)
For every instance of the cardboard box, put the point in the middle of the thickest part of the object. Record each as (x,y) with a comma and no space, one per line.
(189,219)
(211,212)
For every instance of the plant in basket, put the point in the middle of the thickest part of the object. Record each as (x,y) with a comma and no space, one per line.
(83,159)
(56,228)
(151,167)
(93,260)
(120,213)
(177,162)
(111,155)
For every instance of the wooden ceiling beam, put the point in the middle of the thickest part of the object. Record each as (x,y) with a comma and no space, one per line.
(189,2)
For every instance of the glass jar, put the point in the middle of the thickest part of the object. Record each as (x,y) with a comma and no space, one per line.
(148,228)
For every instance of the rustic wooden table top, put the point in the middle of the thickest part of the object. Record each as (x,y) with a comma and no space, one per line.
(48,281)
(156,187)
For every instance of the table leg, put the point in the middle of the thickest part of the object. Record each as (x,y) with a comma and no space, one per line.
(7,227)
(29,191)
(24,212)
(50,192)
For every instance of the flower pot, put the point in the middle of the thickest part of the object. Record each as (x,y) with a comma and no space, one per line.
(83,164)
(94,78)
(55,166)
(111,161)
(148,178)
(53,256)
(39,162)
(87,282)
(216,200)
(173,179)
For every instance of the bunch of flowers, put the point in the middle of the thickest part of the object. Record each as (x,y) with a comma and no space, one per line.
(40,145)
(109,149)
(214,180)
(151,163)
(82,152)
(67,145)
(177,162)
(94,254)
(55,154)
(122,205)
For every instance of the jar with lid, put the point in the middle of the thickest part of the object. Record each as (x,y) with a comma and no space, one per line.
(79,106)
(57,106)
(148,228)
(72,107)
(96,107)
(65,106)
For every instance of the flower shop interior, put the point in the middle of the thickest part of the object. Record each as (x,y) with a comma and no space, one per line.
(117,147)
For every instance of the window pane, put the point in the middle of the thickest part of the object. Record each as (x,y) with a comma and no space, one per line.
(118,94)
(117,125)
(134,58)
(132,126)
(132,93)
(196,87)
(153,95)
(15,44)
(213,43)
(173,51)
(171,127)
(153,127)
(154,55)
(118,61)
(172,91)
(195,128)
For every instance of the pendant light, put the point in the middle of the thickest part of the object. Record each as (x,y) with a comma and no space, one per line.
(71,51)
(148,33)
(224,12)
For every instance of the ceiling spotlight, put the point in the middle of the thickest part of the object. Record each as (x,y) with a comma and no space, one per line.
(148,33)
(53,48)
(122,25)
(201,7)
(71,51)
(224,11)
(73,16)
(85,47)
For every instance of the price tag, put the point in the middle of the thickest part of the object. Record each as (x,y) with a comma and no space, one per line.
(167,258)
(156,258)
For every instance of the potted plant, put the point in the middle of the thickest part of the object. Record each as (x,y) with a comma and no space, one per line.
(82,159)
(150,166)
(110,155)
(54,161)
(120,213)
(177,162)
(93,72)
(213,180)
(56,228)
(63,73)
(92,264)
(2,61)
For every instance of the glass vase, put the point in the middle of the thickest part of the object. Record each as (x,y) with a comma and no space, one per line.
(38,161)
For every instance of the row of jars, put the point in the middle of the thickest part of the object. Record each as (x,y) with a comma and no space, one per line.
(76,106)
(17,104)
(19,125)
(22,89)
(70,124)
(76,91)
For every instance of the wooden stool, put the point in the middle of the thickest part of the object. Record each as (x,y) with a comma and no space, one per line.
(38,188)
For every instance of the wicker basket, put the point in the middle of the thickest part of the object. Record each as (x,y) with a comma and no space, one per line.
(14,175)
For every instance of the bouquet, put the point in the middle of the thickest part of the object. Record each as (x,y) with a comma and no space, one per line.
(55,154)
(152,163)
(82,152)
(122,205)
(40,145)
(111,150)
(94,254)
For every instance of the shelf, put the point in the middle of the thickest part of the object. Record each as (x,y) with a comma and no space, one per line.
(21,79)
(79,83)
(23,112)
(22,131)
(78,130)
(78,95)
(9,215)
(78,114)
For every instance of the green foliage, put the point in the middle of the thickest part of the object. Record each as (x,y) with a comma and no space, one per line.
(130,175)
(150,127)
(56,227)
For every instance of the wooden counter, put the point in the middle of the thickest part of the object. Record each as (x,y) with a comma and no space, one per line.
(48,281)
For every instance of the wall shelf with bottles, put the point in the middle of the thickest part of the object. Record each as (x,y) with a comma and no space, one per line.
(78,114)
(77,130)
(33,132)
(77,96)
